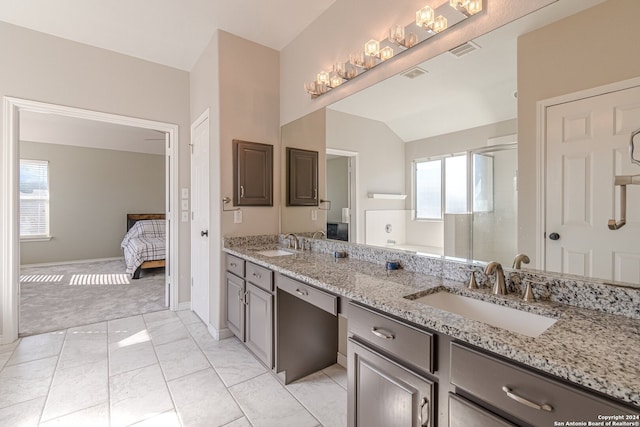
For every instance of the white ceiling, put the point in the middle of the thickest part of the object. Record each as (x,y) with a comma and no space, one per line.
(57,129)
(456,93)
(168,32)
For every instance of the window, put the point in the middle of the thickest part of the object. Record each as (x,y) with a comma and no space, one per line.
(34,198)
(441,183)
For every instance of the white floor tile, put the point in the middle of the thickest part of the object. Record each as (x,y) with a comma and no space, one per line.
(166,419)
(27,381)
(233,362)
(25,414)
(95,416)
(323,397)
(202,400)
(338,374)
(94,331)
(76,388)
(168,331)
(155,319)
(266,403)
(130,357)
(37,347)
(201,335)
(240,422)
(80,351)
(138,395)
(180,358)
(188,317)
(127,330)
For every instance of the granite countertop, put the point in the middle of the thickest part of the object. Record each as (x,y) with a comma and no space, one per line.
(597,350)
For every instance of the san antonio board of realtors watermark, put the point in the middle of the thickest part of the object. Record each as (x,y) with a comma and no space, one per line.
(604,421)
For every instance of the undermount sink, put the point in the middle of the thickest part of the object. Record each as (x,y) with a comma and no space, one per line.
(275,252)
(511,319)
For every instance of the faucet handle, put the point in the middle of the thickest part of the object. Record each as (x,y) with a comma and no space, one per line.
(473,284)
(528,292)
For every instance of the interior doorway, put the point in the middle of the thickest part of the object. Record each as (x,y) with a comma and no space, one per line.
(341,193)
(9,179)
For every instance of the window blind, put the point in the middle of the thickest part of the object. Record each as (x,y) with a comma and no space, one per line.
(34,198)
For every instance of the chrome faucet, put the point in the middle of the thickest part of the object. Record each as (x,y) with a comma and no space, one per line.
(321,232)
(295,241)
(519,259)
(499,286)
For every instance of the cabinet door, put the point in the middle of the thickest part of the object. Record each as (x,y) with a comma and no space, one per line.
(235,305)
(252,174)
(463,413)
(302,177)
(383,393)
(259,323)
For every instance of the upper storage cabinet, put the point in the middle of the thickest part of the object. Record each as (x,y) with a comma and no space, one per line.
(252,174)
(302,177)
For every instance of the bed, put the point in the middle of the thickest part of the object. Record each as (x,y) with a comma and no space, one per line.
(144,244)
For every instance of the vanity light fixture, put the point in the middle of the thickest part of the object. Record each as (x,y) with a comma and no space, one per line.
(467,7)
(373,54)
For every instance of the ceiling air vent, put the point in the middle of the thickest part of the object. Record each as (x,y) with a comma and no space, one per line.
(463,49)
(414,72)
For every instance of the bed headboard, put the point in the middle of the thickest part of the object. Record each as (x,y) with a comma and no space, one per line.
(133,218)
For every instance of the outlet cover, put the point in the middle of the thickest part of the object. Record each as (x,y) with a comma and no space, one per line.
(314,214)
(237,217)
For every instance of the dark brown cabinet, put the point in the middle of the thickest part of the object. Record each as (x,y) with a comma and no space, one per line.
(252,174)
(302,177)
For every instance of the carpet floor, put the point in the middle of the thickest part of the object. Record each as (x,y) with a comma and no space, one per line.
(63,296)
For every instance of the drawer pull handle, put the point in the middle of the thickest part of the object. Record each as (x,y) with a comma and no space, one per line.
(302,293)
(384,335)
(256,275)
(424,402)
(244,300)
(520,399)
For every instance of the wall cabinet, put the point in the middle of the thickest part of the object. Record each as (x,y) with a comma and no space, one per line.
(302,177)
(252,174)
(250,306)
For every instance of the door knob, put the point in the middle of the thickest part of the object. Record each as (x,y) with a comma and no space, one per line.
(554,236)
(204,233)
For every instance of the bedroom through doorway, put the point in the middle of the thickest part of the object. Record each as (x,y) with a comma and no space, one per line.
(79,182)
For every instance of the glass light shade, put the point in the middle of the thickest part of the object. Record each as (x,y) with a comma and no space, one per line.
(386,53)
(411,40)
(439,24)
(455,3)
(474,6)
(323,78)
(335,81)
(370,62)
(425,17)
(357,59)
(396,34)
(372,48)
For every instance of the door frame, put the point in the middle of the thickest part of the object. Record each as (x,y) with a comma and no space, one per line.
(541,151)
(197,122)
(9,203)
(353,184)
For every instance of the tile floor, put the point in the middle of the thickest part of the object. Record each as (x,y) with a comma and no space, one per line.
(156,369)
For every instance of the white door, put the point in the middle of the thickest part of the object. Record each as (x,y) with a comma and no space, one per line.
(200,217)
(587,145)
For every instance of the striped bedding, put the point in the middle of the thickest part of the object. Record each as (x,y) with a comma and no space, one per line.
(145,241)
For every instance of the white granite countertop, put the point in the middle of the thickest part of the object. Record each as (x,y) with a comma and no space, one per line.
(597,350)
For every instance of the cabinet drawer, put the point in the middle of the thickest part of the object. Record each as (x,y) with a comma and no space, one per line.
(516,390)
(235,265)
(320,299)
(260,276)
(404,341)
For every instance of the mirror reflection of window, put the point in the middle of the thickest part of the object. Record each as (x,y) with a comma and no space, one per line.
(455,169)
(428,196)
(482,183)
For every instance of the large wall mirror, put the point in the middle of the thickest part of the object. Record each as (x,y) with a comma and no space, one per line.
(430,160)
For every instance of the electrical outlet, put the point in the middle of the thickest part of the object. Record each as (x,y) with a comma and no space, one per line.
(314,214)
(237,217)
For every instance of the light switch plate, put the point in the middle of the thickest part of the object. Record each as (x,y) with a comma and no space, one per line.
(237,217)
(184,217)
(185,193)
(314,214)
(185,205)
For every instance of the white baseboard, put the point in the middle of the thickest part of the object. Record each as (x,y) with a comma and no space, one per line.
(81,261)
(219,334)
(184,305)
(342,360)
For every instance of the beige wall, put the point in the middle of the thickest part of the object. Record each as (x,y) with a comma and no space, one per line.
(91,192)
(380,166)
(568,56)
(40,67)
(308,133)
(243,104)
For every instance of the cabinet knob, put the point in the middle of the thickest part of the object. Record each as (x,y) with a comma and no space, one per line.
(204,233)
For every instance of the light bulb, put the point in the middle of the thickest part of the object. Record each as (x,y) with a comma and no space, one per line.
(323,78)
(372,48)
(424,17)
(386,53)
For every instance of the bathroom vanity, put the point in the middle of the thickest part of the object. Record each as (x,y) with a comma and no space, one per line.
(413,364)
